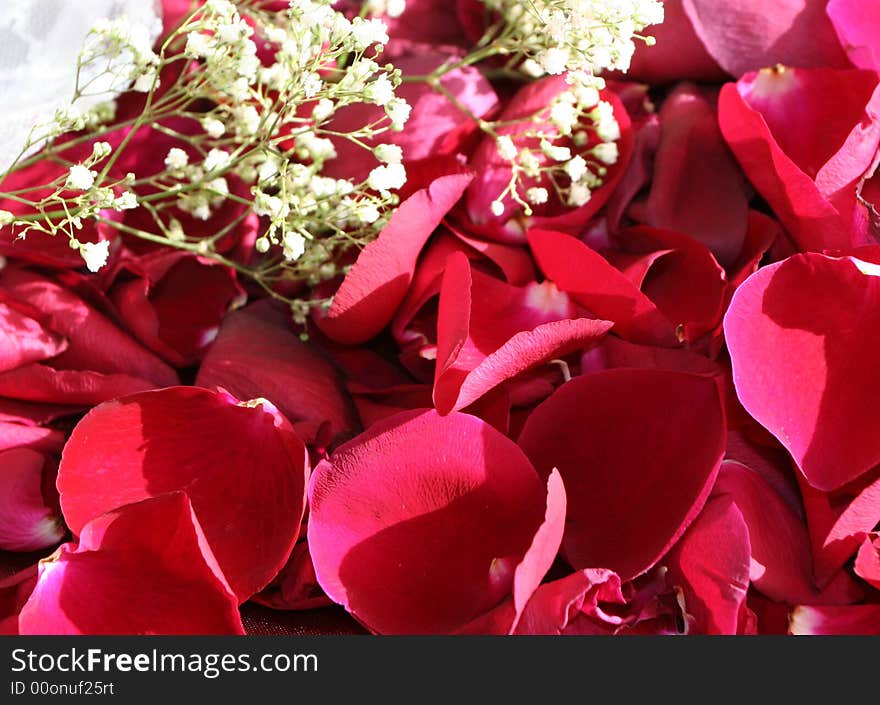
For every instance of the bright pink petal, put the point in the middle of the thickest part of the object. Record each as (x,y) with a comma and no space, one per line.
(867,565)
(27,523)
(596,285)
(142,569)
(857,25)
(711,564)
(846,620)
(418,525)
(377,283)
(638,451)
(257,354)
(751,34)
(19,435)
(241,464)
(801,335)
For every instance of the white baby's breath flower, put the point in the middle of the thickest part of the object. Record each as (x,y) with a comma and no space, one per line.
(125,201)
(176,159)
(579,194)
(506,147)
(95,254)
(606,152)
(387,177)
(80,178)
(216,159)
(576,168)
(388,153)
(537,195)
(6,217)
(214,127)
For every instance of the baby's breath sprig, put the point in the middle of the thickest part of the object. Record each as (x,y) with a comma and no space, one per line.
(263,118)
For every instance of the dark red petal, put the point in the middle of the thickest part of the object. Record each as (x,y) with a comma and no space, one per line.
(176,305)
(751,34)
(845,620)
(711,564)
(801,335)
(27,523)
(678,55)
(698,188)
(95,343)
(638,451)
(595,284)
(23,340)
(14,593)
(142,569)
(40,383)
(241,464)
(418,525)
(257,354)
(375,286)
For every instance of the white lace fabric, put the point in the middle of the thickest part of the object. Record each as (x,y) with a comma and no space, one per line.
(40,41)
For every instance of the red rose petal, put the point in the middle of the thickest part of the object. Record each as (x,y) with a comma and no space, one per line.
(95,343)
(418,525)
(23,340)
(40,383)
(711,563)
(867,565)
(27,523)
(176,305)
(241,464)
(698,188)
(141,569)
(488,332)
(801,335)
(805,137)
(14,593)
(845,620)
(595,284)
(638,451)
(377,283)
(257,354)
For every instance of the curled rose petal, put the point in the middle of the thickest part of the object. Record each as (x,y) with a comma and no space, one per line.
(95,344)
(23,340)
(803,150)
(801,335)
(378,281)
(27,523)
(711,564)
(867,565)
(488,332)
(241,464)
(595,284)
(638,451)
(144,568)
(257,354)
(419,524)
(835,620)
(176,302)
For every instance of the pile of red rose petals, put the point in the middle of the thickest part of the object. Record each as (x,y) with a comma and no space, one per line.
(654,414)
